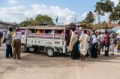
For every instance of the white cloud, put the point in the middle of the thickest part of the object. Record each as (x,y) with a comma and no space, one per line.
(20,13)
(53,11)
(12,1)
(84,14)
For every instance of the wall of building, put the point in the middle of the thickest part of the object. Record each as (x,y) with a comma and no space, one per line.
(5,25)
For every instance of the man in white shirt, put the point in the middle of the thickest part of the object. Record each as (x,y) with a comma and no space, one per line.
(94,47)
(102,40)
(17,44)
(94,39)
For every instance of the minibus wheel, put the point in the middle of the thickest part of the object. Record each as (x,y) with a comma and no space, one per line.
(50,52)
(23,48)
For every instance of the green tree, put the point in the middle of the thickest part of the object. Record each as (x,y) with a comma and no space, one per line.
(108,6)
(115,14)
(39,19)
(104,22)
(104,6)
(24,23)
(90,17)
(99,9)
(119,22)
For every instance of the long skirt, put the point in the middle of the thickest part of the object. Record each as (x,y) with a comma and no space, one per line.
(75,52)
(94,51)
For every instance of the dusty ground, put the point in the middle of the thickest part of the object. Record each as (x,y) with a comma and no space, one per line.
(39,66)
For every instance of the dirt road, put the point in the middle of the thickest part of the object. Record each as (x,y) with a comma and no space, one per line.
(39,66)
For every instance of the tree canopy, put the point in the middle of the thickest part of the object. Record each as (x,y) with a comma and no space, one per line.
(102,7)
(39,19)
(115,14)
(90,17)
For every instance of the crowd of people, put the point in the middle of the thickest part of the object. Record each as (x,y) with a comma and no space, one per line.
(91,43)
(82,43)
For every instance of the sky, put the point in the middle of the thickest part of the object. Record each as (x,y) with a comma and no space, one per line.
(66,10)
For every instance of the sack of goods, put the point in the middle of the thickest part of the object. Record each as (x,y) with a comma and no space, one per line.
(4,40)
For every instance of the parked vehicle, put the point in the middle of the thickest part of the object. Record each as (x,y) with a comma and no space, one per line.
(51,39)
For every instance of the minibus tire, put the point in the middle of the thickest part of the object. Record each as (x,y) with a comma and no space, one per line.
(50,52)
(35,49)
(24,48)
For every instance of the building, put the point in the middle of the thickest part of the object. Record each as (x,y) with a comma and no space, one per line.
(6,25)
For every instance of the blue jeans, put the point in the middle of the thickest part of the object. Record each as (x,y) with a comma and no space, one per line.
(8,51)
(90,49)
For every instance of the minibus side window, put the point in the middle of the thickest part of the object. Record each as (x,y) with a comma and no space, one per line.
(49,31)
(59,31)
(39,31)
(31,30)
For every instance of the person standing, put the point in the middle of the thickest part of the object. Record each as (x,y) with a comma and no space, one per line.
(118,43)
(90,44)
(17,44)
(84,45)
(8,42)
(94,46)
(112,44)
(102,40)
(80,31)
(107,43)
(73,45)
(4,33)
(99,44)
(89,51)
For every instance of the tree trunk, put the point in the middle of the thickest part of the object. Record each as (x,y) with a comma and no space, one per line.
(98,18)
